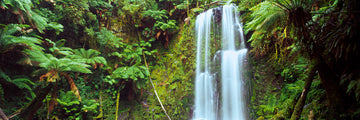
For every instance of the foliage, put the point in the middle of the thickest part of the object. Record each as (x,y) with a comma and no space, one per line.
(68,99)
(9,39)
(265,17)
(108,40)
(51,63)
(89,56)
(21,83)
(287,31)
(24,7)
(71,108)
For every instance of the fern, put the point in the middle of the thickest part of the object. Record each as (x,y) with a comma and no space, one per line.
(58,49)
(40,22)
(156,14)
(89,56)
(8,40)
(89,106)
(25,6)
(136,73)
(265,16)
(170,25)
(49,62)
(21,83)
(55,26)
(108,39)
(64,64)
(68,99)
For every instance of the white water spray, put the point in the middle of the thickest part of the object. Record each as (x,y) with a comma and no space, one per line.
(205,103)
(231,104)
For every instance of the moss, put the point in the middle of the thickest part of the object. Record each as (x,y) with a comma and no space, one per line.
(172,72)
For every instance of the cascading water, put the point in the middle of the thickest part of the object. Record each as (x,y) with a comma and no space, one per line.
(205,103)
(230,105)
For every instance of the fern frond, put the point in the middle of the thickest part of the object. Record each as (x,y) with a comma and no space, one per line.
(89,56)
(37,56)
(79,67)
(55,26)
(40,22)
(265,17)
(7,38)
(21,83)
(24,83)
(65,64)
(25,5)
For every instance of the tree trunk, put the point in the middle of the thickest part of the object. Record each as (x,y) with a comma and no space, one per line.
(30,110)
(331,85)
(301,102)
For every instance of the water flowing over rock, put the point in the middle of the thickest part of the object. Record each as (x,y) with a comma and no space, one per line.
(219,82)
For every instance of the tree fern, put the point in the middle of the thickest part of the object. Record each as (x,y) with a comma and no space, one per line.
(89,56)
(49,62)
(297,11)
(58,67)
(64,64)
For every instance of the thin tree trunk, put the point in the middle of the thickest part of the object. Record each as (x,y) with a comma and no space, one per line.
(3,115)
(31,109)
(100,116)
(117,104)
(301,102)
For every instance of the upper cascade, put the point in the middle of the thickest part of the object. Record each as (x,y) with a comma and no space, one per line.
(219,89)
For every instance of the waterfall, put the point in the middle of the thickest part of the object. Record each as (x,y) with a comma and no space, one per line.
(220,99)
(205,103)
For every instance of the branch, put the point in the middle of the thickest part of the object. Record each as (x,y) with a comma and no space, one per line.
(162,106)
(3,115)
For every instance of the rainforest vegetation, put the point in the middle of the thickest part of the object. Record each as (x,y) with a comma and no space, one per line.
(115,59)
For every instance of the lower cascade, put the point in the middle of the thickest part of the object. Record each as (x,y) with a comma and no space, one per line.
(219,82)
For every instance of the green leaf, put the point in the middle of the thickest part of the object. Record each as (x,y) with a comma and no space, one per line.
(55,26)
(68,99)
